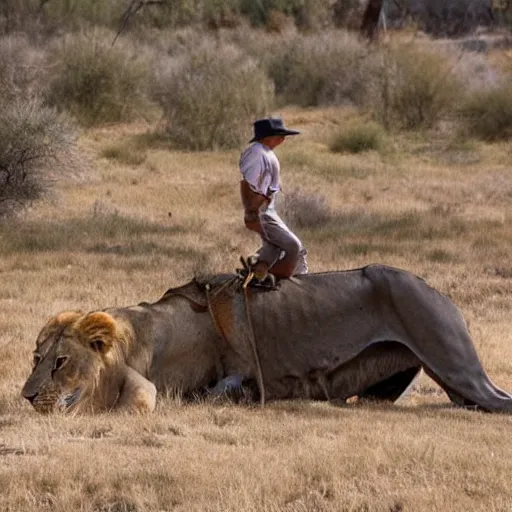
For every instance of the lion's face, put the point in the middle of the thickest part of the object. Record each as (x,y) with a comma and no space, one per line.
(73,353)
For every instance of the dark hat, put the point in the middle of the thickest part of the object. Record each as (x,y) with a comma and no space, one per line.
(269,127)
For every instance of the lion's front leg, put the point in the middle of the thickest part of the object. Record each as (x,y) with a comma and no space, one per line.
(138,394)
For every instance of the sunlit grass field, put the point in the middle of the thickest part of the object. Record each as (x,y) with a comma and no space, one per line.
(144,218)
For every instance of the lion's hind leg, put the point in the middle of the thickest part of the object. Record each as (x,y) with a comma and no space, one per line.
(477,392)
(434,329)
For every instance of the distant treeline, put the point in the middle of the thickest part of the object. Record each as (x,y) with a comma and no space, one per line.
(440,18)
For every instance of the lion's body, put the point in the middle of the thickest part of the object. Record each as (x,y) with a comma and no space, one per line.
(365,332)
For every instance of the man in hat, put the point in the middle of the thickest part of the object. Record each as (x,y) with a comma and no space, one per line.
(282,253)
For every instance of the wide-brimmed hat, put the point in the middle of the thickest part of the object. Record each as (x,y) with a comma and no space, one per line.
(269,127)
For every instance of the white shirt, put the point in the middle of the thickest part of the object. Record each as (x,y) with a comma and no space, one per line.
(260,168)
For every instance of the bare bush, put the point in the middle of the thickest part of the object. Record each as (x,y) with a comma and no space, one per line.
(16,15)
(322,69)
(306,14)
(415,87)
(57,13)
(37,147)
(97,82)
(357,138)
(19,67)
(306,210)
(210,96)
(476,70)
(487,114)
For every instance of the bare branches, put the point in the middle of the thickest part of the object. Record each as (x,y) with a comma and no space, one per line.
(37,147)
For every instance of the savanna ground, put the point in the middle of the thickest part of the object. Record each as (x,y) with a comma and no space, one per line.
(147,218)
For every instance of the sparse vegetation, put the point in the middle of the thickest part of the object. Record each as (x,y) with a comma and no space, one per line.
(20,64)
(487,114)
(125,153)
(211,97)
(322,69)
(306,210)
(82,233)
(37,148)
(97,82)
(357,138)
(415,87)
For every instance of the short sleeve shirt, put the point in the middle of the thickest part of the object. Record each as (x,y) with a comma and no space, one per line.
(260,168)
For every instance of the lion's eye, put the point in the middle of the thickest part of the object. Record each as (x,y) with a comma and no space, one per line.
(97,345)
(60,362)
(36,360)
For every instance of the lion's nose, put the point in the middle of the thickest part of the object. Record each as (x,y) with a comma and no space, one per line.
(30,396)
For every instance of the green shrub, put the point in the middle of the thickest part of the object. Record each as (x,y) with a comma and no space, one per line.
(98,82)
(358,138)
(488,114)
(322,69)
(37,147)
(211,97)
(414,87)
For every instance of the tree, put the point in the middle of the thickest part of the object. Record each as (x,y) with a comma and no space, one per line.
(371,18)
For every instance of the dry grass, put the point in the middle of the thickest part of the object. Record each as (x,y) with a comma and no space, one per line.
(429,204)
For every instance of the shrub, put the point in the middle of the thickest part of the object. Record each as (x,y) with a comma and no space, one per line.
(305,210)
(19,67)
(211,96)
(323,69)
(414,88)
(36,146)
(59,13)
(16,15)
(98,82)
(306,14)
(358,138)
(488,114)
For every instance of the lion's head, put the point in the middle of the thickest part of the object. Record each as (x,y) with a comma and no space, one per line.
(79,363)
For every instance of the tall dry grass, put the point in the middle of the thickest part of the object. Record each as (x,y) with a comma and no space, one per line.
(428,204)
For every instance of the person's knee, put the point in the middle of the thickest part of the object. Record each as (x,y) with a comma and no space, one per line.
(293,248)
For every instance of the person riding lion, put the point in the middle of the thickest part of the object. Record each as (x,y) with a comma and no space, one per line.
(282,253)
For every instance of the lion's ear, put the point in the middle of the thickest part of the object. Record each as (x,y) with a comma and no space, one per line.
(98,331)
(56,323)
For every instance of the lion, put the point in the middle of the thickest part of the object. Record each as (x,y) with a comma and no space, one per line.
(366,332)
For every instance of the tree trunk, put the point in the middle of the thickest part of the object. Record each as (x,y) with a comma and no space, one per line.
(371,19)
